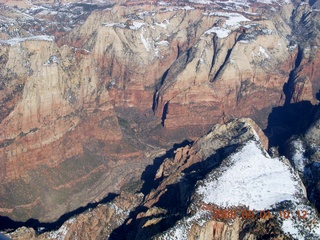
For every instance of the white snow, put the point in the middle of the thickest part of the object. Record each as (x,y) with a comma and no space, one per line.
(221,32)
(235,3)
(137,25)
(163,3)
(267,31)
(252,179)
(51,60)
(234,19)
(14,41)
(163,24)
(298,155)
(182,227)
(145,42)
(200,1)
(163,43)
(264,52)
(111,24)
(288,226)
(245,41)
(274,1)
(188,8)
(60,234)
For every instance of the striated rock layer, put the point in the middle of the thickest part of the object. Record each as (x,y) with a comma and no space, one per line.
(171,204)
(85,107)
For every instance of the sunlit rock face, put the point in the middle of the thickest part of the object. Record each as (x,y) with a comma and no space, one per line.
(91,93)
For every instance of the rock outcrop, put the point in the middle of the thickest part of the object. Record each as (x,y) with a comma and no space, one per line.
(173,203)
(88,101)
(304,154)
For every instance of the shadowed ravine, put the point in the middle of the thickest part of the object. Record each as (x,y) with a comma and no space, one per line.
(8,225)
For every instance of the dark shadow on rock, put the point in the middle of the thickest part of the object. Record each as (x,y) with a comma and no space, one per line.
(311,178)
(318,95)
(8,225)
(286,121)
(150,172)
(175,201)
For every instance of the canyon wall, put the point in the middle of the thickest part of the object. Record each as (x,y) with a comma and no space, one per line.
(86,107)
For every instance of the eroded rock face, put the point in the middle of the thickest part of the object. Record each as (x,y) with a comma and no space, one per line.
(86,106)
(172,206)
(304,154)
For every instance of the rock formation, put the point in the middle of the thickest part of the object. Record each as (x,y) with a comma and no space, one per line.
(90,94)
(177,203)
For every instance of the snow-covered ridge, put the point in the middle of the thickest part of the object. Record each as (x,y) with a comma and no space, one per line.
(233,22)
(14,41)
(221,32)
(252,179)
(234,19)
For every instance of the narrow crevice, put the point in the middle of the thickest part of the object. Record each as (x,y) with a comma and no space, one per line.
(155,101)
(214,43)
(156,93)
(288,88)
(222,65)
(224,62)
(163,78)
(188,55)
(164,113)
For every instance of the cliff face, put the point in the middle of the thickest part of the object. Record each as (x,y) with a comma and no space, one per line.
(88,102)
(182,197)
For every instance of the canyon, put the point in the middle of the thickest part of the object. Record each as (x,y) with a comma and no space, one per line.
(92,95)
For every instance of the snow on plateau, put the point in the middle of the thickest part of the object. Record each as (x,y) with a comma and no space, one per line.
(221,32)
(252,179)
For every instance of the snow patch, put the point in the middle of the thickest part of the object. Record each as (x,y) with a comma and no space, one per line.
(163,3)
(298,158)
(163,43)
(51,60)
(111,24)
(264,52)
(137,25)
(288,226)
(221,32)
(163,24)
(182,227)
(200,1)
(188,8)
(274,1)
(251,179)
(60,234)
(145,42)
(14,41)
(234,19)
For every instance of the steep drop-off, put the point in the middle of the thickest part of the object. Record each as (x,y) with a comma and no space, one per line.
(86,106)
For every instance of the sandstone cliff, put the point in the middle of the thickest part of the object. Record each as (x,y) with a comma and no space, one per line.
(90,94)
(177,203)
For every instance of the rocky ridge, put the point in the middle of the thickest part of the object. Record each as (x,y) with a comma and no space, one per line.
(176,206)
(88,105)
